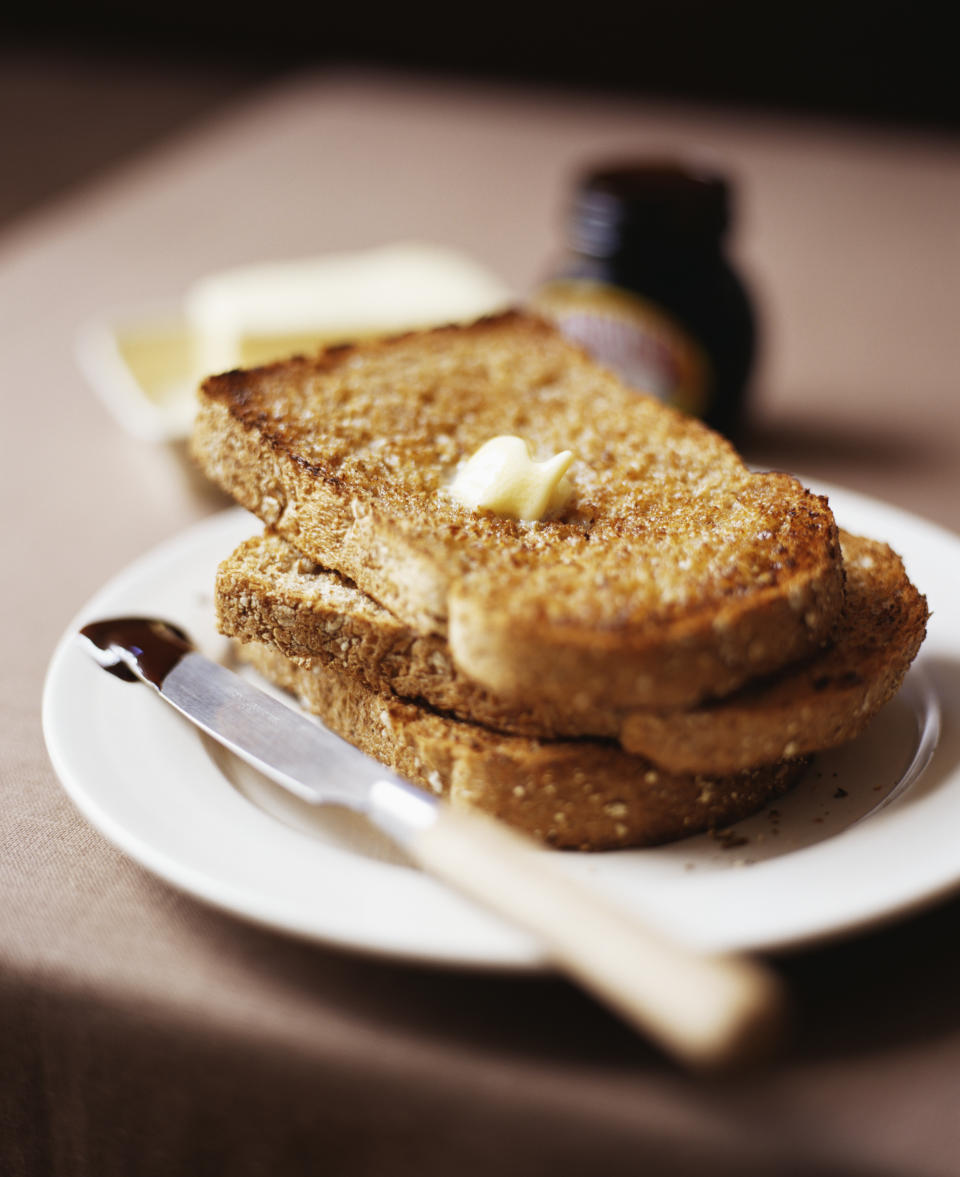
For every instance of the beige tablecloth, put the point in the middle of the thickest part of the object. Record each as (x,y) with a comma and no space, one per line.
(144,1033)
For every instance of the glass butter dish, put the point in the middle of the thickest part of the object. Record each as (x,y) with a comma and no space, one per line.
(145,364)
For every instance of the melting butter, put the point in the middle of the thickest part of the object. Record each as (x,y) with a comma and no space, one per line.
(502,477)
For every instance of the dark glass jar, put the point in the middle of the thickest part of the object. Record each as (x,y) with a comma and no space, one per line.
(647,286)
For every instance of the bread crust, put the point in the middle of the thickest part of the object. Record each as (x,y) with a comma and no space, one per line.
(673,576)
(571,794)
(825,702)
(267,592)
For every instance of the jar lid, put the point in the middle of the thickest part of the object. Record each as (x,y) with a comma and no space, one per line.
(640,201)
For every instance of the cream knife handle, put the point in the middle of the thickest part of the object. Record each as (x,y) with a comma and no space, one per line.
(709,1011)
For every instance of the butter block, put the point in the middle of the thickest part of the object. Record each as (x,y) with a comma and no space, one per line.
(145,363)
(254,314)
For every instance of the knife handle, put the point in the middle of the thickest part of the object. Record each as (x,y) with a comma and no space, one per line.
(711,1012)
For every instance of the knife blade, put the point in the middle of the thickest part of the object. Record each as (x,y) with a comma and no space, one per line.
(293,751)
(709,1011)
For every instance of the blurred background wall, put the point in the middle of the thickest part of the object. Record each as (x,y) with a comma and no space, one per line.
(82,85)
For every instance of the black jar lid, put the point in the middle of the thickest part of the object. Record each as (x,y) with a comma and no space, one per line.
(635,202)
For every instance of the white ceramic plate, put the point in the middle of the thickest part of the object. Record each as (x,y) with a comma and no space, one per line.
(870,833)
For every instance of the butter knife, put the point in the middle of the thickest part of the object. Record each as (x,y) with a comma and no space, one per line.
(708,1011)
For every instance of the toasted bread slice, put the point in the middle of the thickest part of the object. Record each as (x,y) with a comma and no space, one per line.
(266,591)
(573,794)
(674,574)
(825,702)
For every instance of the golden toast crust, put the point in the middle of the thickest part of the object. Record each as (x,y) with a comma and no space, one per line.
(267,592)
(573,794)
(673,575)
(825,702)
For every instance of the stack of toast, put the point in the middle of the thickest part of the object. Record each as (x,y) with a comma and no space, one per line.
(659,656)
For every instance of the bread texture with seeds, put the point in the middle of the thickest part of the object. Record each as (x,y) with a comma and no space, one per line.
(573,794)
(267,592)
(673,574)
(825,702)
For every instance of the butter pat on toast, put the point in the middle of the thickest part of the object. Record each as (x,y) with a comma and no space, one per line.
(672,574)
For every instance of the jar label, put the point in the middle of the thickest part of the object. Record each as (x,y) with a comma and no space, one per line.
(641,342)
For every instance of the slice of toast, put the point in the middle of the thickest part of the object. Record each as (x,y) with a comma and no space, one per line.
(267,592)
(825,702)
(674,574)
(573,794)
